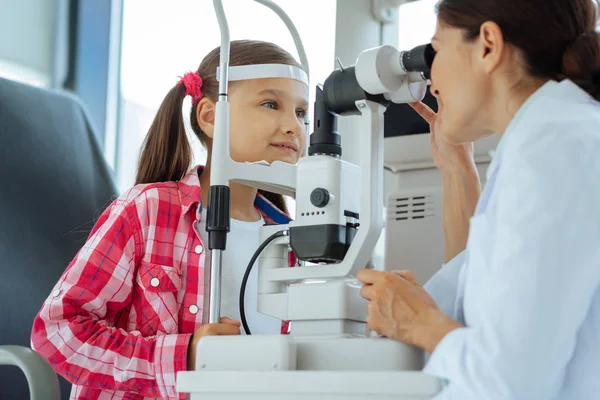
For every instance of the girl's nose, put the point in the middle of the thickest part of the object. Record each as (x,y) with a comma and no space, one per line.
(294,126)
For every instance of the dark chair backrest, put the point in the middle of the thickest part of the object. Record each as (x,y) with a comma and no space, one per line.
(54,183)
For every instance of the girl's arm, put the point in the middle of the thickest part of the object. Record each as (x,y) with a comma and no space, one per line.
(75,328)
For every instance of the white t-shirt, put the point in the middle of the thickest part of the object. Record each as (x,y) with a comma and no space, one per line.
(242,241)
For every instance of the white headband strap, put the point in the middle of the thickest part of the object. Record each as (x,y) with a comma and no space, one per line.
(260,71)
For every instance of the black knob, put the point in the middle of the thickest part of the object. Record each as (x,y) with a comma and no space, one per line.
(319,197)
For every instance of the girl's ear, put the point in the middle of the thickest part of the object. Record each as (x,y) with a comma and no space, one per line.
(205,114)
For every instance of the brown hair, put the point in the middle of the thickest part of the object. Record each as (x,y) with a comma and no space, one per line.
(557,37)
(166,153)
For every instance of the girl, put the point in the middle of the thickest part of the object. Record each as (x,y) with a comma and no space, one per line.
(126,315)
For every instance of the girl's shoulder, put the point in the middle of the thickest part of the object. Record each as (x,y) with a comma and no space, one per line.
(161,198)
(172,199)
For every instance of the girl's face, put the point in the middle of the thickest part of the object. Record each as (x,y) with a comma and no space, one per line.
(267,120)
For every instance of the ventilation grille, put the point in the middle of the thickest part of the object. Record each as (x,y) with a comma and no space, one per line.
(411,208)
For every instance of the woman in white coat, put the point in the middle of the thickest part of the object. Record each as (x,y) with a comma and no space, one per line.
(516,315)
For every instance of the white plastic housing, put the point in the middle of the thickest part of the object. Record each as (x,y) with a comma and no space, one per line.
(340,178)
(379,71)
(317,368)
(258,353)
(414,89)
(309,385)
(370,187)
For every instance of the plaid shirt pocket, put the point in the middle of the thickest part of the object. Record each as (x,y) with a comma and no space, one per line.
(158,287)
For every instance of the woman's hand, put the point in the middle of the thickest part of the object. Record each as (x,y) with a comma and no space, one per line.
(226,326)
(400,309)
(445,155)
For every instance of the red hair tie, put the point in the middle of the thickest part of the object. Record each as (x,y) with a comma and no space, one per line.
(193,86)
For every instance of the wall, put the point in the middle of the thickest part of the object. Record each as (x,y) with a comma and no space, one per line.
(30,26)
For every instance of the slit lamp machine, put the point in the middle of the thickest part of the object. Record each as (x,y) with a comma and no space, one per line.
(329,354)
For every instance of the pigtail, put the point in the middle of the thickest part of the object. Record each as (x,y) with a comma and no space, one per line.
(166,153)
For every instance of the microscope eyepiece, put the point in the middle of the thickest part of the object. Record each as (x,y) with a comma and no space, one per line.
(418,59)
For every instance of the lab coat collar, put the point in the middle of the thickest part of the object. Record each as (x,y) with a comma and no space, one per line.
(545,90)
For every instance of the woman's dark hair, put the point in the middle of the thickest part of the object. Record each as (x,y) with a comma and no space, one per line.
(557,37)
(167,154)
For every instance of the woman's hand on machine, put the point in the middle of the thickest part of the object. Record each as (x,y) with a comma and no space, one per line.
(225,327)
(400,309)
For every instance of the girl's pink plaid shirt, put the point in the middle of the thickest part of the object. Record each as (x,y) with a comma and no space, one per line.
(118,322)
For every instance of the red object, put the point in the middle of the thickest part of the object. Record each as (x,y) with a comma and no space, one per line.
(193,86)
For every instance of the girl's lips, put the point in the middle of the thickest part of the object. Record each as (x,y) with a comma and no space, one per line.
(286,146)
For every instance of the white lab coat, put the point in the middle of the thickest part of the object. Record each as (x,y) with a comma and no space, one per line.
(527,287)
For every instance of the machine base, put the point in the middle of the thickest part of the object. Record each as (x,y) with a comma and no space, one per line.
(288,368)
(303,385)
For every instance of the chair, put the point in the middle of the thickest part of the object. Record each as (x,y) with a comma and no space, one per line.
(41,379)
(54,183)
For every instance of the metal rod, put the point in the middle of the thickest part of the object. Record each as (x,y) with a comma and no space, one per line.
(214,311)
(293,31)
(221,141)
(225,49)
(221,150)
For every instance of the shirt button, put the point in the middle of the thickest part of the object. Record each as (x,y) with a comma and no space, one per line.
(199,249)
(193,309)
(56,293)
(154,282)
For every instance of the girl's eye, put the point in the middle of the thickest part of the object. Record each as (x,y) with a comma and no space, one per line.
(301,113)
(270,104)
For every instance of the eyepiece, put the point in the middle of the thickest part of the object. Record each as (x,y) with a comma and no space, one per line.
(419,59)
(341,91)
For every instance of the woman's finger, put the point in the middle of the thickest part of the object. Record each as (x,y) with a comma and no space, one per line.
(230,321)
(366,292)
(424,111)
(368,276)
(227,330)
(408,275)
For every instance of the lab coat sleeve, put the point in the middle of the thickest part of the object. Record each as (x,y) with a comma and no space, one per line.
(542,278)
(443,286)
